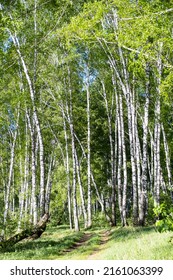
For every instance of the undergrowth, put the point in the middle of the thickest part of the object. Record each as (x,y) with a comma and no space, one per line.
(123,244)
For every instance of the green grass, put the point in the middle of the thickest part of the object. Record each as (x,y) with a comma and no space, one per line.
(138,244)
(123,244)
(51,245)
(86,249)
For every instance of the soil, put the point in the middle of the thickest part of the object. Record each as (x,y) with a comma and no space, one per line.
(105,235)
(80,243)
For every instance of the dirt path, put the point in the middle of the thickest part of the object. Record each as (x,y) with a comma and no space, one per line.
(80,243)
(105,236)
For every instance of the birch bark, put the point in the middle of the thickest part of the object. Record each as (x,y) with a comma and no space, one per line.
(33,205)
(70,119)
(81,191)
(143,194)
(36,120)
(167,154)
(157,130)
(67,165)
(119,175)
(10,175)
(89,208)
(124,165)
(113,182)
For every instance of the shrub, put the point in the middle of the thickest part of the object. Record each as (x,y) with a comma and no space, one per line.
(164,217)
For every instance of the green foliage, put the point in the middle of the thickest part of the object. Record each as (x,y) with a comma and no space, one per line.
(150,218)
(12,223)
(165,218)
(167,88)
(99,220)
(57,41)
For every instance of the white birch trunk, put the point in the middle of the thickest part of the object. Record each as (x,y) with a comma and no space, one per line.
(75,204)
(37,123)
(119,175)
(83,207)
(89,208)
(143,194)
(33,206)
(70,117)
(10,175)
(49,184)
(124,82)
(67,166)
(167,154)
(124,165)
(21,193)
(157,130)
(109,117)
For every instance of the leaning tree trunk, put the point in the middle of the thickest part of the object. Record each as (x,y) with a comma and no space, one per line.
(33,232)
(49,183)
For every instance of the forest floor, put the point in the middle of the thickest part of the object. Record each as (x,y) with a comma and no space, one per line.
(95,244)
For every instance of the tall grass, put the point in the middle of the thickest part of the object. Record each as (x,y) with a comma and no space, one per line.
(138,244)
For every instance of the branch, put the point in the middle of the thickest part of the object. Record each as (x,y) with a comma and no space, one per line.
(157,14)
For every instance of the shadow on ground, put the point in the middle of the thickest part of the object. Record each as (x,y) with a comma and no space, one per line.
(129,233)
(44,248)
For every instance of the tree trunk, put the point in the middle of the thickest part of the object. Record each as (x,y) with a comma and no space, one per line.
(10,176)
(67,165)
(34,232)
(81,191)
(89,208)
(37,123)
(157,129)
(113,185)
(143,193)
(168,163)
(33,206)
(119,174)
(70,118)
(124,192)
(49,183)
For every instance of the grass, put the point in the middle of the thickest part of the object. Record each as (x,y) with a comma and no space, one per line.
(51,245)
(138,244)
(123,244)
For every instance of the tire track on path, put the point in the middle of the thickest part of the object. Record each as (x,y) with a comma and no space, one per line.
(105,236)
